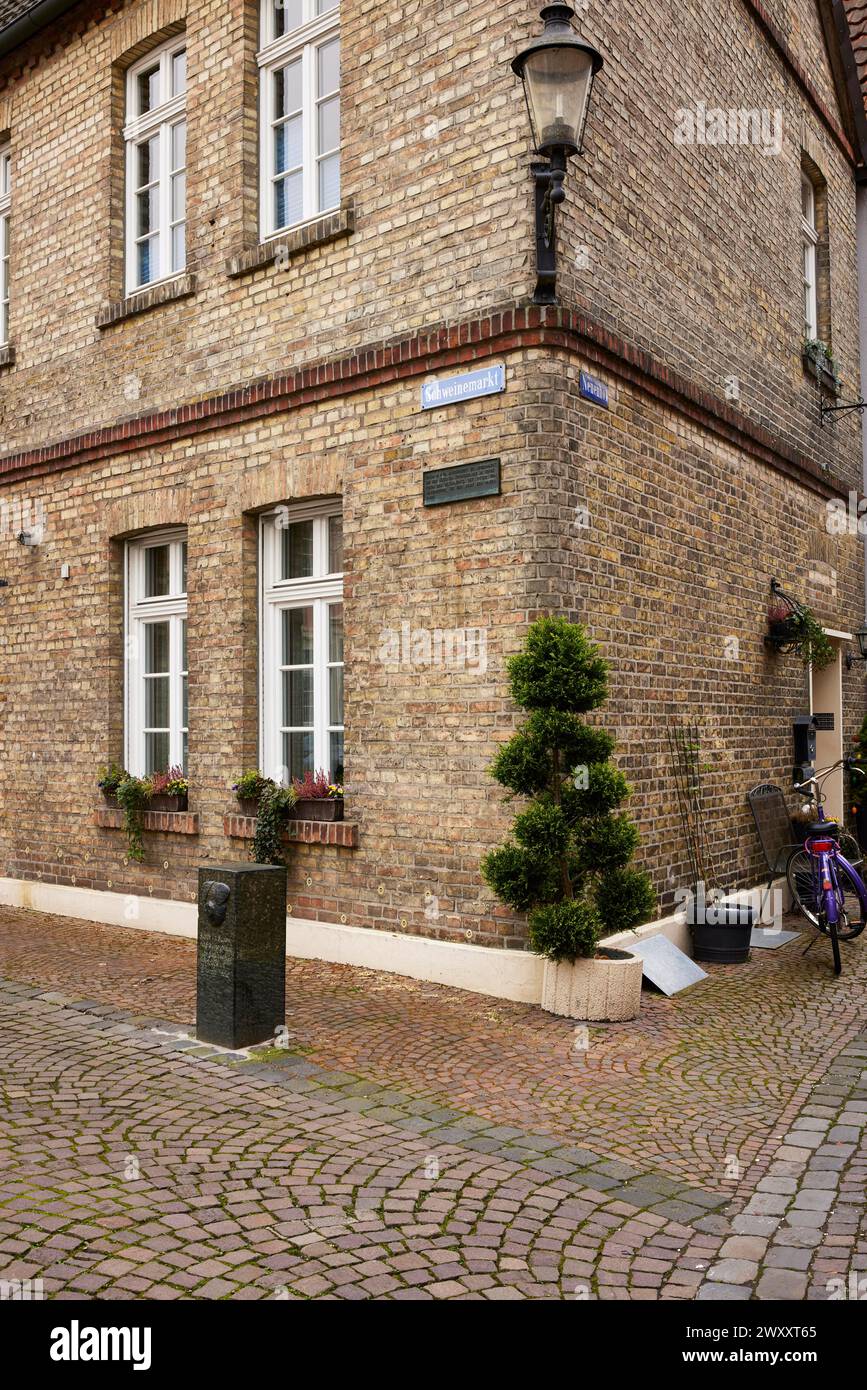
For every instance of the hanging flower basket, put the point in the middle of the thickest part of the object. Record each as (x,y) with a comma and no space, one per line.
(783,632)
(792,627)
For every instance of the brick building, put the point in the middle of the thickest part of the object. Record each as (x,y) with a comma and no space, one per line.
(237,245)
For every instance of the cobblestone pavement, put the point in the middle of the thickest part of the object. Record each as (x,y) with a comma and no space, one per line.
(415,1141)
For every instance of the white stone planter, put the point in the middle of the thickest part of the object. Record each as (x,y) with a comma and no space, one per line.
(605,989)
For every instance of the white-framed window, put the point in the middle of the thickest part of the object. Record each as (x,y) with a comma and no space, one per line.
(301,642)
(155,135)
(810,241)
(156,726)
(299,112)
(5,235)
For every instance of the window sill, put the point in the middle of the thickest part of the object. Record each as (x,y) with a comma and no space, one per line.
(7,356)
(330,227)
(163,822)
(181,287)
(342,833)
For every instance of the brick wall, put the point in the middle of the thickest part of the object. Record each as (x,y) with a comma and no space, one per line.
(419,738)
(684,533)
(691,275)
(692,251)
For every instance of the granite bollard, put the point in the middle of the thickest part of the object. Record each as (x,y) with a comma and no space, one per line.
(241,964)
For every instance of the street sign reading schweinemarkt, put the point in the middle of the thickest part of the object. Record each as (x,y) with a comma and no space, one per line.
(468,386)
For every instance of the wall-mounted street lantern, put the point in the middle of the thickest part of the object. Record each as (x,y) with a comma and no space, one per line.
(557,70)
(861,637)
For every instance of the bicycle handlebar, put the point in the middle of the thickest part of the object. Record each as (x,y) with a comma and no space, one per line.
(848,763)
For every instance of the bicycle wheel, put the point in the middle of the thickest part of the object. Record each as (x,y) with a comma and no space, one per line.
(799,876)
(851,850)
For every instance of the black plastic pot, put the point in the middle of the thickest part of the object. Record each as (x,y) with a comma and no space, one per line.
(723,937)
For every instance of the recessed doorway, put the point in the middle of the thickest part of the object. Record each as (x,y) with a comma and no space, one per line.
(826,704)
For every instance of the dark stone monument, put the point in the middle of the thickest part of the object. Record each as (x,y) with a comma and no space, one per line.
(241,976)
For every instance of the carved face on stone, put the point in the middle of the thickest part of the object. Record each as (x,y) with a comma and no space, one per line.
(216,900)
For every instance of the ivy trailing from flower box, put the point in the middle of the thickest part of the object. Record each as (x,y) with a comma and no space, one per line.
(162,791)
(313,797)
(275,803)
(133,797)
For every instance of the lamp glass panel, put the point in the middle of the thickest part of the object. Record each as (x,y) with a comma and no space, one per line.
(558,83)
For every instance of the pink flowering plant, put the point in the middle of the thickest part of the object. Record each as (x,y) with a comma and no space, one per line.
(171,782)
(316,786)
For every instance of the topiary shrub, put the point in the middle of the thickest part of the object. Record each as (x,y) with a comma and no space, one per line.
(624,897)
(568,865)
(565,930)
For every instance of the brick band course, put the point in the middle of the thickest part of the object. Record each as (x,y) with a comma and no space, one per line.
(511,328)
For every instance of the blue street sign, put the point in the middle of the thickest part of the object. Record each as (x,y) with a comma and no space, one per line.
(593,390)
(449,390)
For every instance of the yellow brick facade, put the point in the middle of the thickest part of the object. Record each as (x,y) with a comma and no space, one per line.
(659,522)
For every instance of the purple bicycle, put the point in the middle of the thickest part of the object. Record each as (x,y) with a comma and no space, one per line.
(825,885)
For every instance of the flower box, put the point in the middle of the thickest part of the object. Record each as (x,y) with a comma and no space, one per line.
(817,364)
(163,802)
(317,808)
(249,805)
(603,989)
